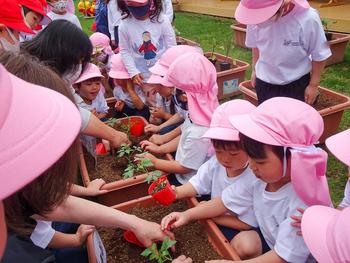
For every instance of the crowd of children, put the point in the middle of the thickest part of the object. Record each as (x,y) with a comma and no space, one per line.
(255,170)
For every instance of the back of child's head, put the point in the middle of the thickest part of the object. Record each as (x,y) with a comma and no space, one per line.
(53,186)
(194,74)
(101,42)
(154,8)
(62,45)
(293,124)
(118,70)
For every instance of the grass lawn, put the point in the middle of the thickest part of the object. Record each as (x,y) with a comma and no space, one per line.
(203,29)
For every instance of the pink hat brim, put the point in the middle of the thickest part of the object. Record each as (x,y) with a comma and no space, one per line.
(158,69)
(249,16)
(32,143)
(338,145)
(165,82)
(84,77)
(219,133)
(314,226)
(119,74)
(155,79)
(245,125)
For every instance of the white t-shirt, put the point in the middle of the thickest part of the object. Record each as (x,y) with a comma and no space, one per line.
(119,94)
(272,211)
(67,16)
(99,103)
(346,200)
(212,178)
(192,150)
(163,103)
(287,46)
(168,11)
(114,17)
(137,52)
(42,234)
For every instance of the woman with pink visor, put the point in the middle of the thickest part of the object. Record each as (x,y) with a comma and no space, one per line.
(289,47)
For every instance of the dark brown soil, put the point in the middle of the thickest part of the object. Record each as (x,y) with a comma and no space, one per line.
(322,102)
(191,239)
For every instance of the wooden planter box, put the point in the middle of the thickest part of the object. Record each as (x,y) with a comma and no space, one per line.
(122,190)
(216,238)
(185,41)
(331,116)
(228,80)
(239,35)
(338,47)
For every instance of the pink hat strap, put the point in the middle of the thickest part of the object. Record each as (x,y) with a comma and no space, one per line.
(308,175)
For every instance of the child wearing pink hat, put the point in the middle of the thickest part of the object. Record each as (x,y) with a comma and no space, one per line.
(195,76)
(90,89)
(289,47)
(228,168)
(102,50)
(291,173)
(144,35)
(130,98)
(325,229)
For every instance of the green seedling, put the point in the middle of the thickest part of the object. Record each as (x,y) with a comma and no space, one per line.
(128,151)
(111,122)
(161,255)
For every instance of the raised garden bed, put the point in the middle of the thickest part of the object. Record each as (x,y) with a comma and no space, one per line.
(239,34)
(192,239)
(337,45)
(330,105)
(185,41)
(228,80)
(110,167)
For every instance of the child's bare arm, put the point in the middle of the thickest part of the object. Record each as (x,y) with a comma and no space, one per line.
(138,103)
(230,221)
(62,240)
(176,118)
(186,190)
(165,138)
(93,188)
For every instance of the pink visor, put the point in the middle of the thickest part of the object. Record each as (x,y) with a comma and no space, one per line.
(196,75)
(274,123)
(162,65)
(338,144)
(220,125)
(156,79)
(118,70)
(91,71)
(31,138)
(325,232)
(100,42)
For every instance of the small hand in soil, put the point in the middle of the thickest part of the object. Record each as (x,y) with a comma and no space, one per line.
(182,259)
(139,157)
(94,187)
(151,128)
(174,220)
(151,147)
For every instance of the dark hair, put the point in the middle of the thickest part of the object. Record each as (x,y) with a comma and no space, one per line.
(61,45)
(26,10)
(257,150)
(226,145)
(51,187)
(154,14)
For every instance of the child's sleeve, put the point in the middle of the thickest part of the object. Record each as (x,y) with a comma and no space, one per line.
(168,10)
(168,34)
(102,106)
(42,234)
(140,93)
(202,181)
(124,47)
(314,38)
(77,22)
(251,36)
(238,198)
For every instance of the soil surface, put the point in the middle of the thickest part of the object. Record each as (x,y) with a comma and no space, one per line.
(192,239)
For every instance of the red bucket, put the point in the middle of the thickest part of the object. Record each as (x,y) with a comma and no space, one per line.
(131,238)
(167,195)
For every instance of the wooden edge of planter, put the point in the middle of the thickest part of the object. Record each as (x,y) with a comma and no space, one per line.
(239,27)
(339,37)
(216,238)
(245,87)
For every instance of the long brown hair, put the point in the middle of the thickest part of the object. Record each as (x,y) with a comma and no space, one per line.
(51,187)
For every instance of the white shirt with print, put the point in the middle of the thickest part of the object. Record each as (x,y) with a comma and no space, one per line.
(67,16)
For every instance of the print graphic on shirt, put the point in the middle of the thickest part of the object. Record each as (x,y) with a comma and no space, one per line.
(147,48)
(289,42)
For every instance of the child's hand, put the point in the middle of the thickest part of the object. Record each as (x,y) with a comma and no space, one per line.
(94,187)
(139,157)
(83,232)
(297,220)
(138,79)
(174,220)
(157,112)
(182,259)
(157,139)
(119,105)
(152,128)
(151,147)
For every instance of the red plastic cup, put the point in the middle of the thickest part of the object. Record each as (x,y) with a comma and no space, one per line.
(100,149)
(137,129)
(166,196)
(131,238)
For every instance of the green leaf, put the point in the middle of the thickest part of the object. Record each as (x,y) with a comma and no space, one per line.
(146,252)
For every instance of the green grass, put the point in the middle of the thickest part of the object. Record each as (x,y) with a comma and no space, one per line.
(203,29)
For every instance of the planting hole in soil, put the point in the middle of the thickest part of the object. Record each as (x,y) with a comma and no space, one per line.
(192,239)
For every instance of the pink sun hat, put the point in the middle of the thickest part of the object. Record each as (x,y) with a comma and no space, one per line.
(101,42)
(338,145)
(30,144)
(220,125)
(162,65)
(118,70)
(325,232)
(196,75)
(91,71)
(253,12)
(274,123)
(157,79)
